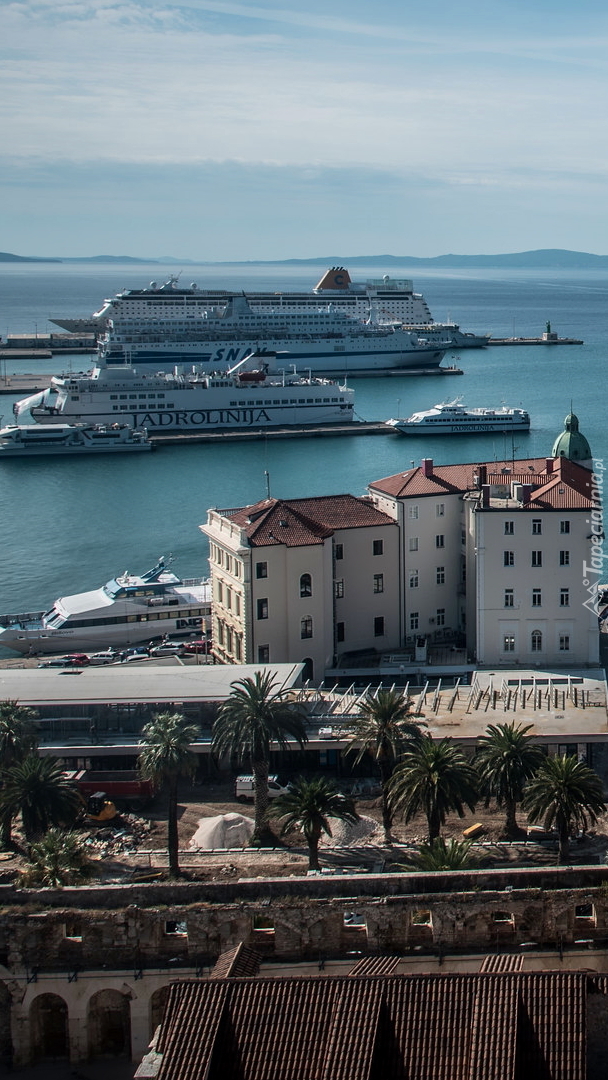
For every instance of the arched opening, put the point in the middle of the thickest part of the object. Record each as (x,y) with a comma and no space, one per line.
(157,1007)
(305,585)
(536,640)
(109,1025)
(49,1027)
(6,1045)
(308,671)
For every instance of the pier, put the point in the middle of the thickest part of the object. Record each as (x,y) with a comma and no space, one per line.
(544,340)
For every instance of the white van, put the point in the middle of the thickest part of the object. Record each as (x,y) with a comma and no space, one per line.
(244,787)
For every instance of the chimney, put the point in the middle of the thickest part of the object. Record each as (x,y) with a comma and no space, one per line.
(549,466)
(485,495)
(427,466)
(480,476)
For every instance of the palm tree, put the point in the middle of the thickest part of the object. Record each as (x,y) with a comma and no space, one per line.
(37,788)
(18,738)
(309,806)
(434,778)
(164,757)
(506,758)
(565,793)
(442,855)
(383,729)
(248,722)
(57,859)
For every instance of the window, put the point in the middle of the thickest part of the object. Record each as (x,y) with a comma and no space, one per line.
(339,589)
(536,641)
(439,541)
(463,536)
(339,551)
(537,526)
(306,585)
(412,513)
(175,928)
(537,558)
(440,574)
(263,654)
(413,579)
(440,617)
(261,570)
(413,543)
(306,627)
(377,547)
(509,558)
(509,528)
(340,631)
(378,583)
(508,643)
(379,626)
(414,620)
(228,597)
(238,647)
(564,526)
(564,558)
(263,609)
(509,597)
(564,643)
(220,593)
(439,509)
(564,597)
(536,597)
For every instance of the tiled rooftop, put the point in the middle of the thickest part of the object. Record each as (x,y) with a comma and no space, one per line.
(507,1025)
(295,522)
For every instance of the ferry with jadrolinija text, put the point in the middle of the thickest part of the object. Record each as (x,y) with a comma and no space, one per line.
(34,440)
(128,610)
(393,298)
(233,400)
(453,418)
(327,341)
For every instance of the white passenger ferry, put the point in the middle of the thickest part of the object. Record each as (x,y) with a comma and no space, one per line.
(237,399)
(453,418)
(127,610)
(33,440)
(393,298)
(326,340)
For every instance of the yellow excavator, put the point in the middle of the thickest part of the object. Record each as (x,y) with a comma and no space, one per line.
(98,807)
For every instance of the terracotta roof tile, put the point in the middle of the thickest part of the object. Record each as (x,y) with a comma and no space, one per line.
(518,1026)
(241,961)
(296,522)
(573,478)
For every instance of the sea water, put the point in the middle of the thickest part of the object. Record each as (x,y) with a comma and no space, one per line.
(69,524)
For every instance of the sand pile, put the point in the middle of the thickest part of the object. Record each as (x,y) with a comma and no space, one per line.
(223,831)
(345,835)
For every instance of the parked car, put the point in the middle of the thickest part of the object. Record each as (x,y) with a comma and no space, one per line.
(109,656)
(53,661)
(167,648)
(205,647)
(71,660)
(244,787)
(136,653)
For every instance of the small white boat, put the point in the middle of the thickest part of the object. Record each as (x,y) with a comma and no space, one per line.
(454,418)
(23,440)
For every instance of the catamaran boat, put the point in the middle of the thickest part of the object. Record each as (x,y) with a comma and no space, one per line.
(454,418)
(393,298)
(28,440)
(127,610)
(237,399)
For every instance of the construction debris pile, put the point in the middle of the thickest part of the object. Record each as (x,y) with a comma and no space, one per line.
(127,833)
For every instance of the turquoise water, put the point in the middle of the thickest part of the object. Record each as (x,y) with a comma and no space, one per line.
(67,525)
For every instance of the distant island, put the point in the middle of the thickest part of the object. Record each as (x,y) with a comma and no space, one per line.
(543,259)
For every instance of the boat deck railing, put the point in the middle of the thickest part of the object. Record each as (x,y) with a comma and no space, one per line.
(22,619)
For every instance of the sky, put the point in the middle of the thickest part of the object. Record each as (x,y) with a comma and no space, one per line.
(220,130)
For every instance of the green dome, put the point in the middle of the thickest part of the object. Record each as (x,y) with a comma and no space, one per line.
(571,443)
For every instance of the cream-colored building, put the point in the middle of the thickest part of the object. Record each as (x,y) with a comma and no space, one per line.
(304,579)
(503,556)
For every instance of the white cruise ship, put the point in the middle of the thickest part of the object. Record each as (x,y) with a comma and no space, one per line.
(393,298)
(127,610)
(327,341)
(245,399)
(453,418)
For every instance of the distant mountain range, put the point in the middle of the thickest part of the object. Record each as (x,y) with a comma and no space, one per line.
(544,259)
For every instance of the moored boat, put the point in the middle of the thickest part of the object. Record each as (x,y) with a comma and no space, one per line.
(29,440)
(231,400)
(127,610)
(454,418)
